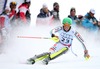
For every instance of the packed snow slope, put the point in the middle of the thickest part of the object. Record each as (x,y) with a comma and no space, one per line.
(17,50)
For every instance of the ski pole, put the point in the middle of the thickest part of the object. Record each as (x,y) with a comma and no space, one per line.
(33,37)
(73,52)
(53,38)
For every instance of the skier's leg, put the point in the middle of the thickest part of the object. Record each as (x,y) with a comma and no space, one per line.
(58,53)
(57,50)
(54,55)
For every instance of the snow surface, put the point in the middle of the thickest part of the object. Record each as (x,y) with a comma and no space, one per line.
(16,51)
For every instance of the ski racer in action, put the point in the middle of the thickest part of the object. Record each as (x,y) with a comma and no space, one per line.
(63,36)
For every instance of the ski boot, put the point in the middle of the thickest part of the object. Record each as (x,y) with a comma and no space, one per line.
(38,58)
(46,60)
(31,60)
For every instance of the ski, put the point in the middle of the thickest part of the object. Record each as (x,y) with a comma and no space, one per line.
(46,57)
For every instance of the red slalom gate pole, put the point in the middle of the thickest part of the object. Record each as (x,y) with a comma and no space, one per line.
(33,37)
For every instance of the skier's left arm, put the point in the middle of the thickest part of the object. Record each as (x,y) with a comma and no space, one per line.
(78,36)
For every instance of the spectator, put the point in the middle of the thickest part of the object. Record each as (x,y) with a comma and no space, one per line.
(5,26)
(55,11)
(24,12)
(0,38)
(44,17)
(13,13)
(73,16)
(44,12)
(89,21)
(99,24)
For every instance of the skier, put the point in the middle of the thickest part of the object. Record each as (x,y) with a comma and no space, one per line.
(63,36)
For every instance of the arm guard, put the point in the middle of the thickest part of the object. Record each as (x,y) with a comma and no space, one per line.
(54,32)
(78,36)
(86,55)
